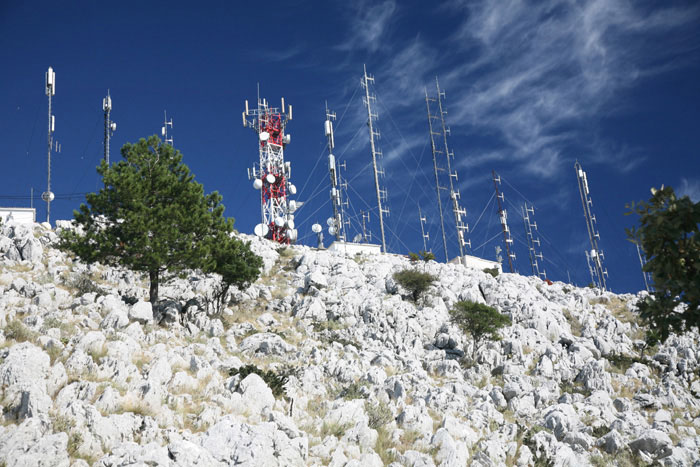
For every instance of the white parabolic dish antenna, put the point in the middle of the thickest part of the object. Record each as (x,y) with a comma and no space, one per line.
(331,230)
(316,228)
(257,184)
(330,222)
(261,230)
(264,136)
(270,178)
(292,189)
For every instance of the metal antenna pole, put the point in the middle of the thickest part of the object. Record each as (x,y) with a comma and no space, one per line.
(422,229)
(110,126)
(375,152)
(504,221)
(435,152)
(596,255)
(457,210)
(532,242)
(164,130)
(333,169)
(365,218)
(48,196)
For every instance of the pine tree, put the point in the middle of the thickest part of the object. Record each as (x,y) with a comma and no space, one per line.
(151,216)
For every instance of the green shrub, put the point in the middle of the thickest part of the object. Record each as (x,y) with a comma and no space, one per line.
(274,380)
(492,271)
(480,322)
(379,415)
(416,282)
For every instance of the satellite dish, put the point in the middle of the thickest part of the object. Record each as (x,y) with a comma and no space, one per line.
(316,228)
(270,178)
(292,234)
(47,196)
(292,189)
(279,222)
(330,222)
(257,184)
(331,230)
(287,138)
(261,230)
(264,136)
(290,224)
(357,238)
(292,206)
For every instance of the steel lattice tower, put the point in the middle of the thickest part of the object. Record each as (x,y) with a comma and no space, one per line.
(595,256)
(503,214)
(532,243)
(455,197)
(376,153)
(272,174)
(435,150)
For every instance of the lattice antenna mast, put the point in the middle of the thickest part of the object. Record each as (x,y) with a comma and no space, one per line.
(533,244)
(376,153)
(503,214)
(110,126)
(458,212)
(435,150)
(596,255)
(365,221)
(164,129)
(271,175)
(426,236)
(337,227)
(48,196)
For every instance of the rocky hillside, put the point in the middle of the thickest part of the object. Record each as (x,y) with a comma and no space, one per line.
(326,361)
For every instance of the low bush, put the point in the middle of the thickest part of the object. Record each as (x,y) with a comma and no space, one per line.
(274,380)
(480,322)
(415,282)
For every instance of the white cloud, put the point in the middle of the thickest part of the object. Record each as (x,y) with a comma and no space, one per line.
(690,188)
(369,23)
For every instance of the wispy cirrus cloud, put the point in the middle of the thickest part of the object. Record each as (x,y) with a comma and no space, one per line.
(369,22)
(690,188)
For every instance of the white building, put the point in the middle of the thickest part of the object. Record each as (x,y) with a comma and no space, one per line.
(20,215)
(475,262)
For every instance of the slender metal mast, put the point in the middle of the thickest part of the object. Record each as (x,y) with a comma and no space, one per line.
(338,227)
(457,210)
(532,243)
(48,196)
(373,133)
(164,129)
(642,262)
(426,236)
(504,220)
(435,152)
(110,126)
(596,255)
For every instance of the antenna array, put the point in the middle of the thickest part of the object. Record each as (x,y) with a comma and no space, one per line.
(336,224)
(595,256)
(110,126)
(503,214)
(426,236)
(164,129)
(457,210)
(365,220)
(272,174)
(533,243)
(376,153)
(48,196)
(435,152)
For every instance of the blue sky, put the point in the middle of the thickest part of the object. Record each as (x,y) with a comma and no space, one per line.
(530,88)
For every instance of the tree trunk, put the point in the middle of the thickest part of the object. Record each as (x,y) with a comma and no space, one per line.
(153,276)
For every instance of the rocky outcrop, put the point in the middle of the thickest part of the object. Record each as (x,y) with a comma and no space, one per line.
(348,372)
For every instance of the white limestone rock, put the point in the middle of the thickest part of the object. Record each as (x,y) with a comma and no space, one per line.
(141,312)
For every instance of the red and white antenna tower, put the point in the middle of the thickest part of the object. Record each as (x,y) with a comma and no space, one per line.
(598,271)
(271,175)
(503,214)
